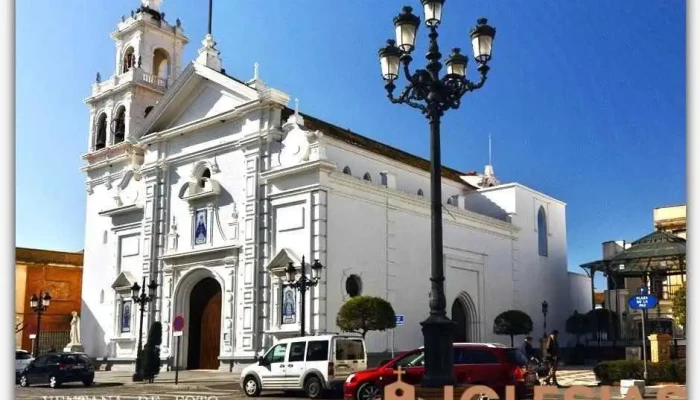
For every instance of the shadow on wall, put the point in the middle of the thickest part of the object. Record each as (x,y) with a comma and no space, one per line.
(480,204)
(93,332)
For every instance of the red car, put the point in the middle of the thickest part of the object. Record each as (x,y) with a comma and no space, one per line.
(494,365)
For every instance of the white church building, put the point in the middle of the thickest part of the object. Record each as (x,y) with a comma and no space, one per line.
(211,185)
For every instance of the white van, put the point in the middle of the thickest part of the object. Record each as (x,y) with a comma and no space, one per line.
(313,364)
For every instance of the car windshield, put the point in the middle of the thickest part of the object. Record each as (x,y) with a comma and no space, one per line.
(516,357)
(410,360)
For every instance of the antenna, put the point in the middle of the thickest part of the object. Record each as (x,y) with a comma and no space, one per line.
(490,149)
(209,22)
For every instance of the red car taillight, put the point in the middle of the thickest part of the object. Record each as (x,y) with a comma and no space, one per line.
(61,366)
(331,369)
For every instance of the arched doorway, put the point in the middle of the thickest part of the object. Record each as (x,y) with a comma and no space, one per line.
(205,325)
(465,316)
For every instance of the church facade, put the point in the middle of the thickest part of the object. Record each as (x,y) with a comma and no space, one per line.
(211,186)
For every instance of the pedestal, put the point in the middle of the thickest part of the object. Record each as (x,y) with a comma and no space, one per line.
(660,347)
(74,348)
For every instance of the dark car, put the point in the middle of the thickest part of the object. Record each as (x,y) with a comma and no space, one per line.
(55,369)
(493,365)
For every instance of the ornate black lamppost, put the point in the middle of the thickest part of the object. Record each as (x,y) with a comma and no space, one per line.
(433,95)
(39,305)
(141,299)
(303,284)
(545,309)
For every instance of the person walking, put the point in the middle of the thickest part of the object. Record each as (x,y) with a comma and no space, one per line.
(552,355)
(527,349)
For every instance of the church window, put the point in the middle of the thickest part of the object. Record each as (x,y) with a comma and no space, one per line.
(452,200)
(347,171)
(119,125)
(367,177)
(129,60)
(201,228)
(206,175)
(161,64)
(542,232)
(125,316)
(420,192)
(147,111)
(101,137)
(353,285)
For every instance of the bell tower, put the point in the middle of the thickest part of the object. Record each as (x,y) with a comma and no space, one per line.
(148,60)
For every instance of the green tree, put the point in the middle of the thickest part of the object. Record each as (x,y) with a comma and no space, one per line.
(151,352)
(577,325)
(679,306)
(512,323)
(362,314)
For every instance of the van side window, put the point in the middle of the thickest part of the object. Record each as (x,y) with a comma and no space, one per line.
(296,351)
(317,351)
(276,354)
(349,349)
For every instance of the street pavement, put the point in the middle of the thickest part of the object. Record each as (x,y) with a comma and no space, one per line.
(215,385)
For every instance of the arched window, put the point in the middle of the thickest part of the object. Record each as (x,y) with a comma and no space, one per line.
(542,232)
(367,177)
(147,111)
(451,201)
(420,192)
(206,174)
(129,60)
(353,285)
(101,134)
(347,171)
(119,125)
(161,64)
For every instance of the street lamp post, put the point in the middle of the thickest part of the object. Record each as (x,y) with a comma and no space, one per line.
(545,309)
(433,95)
(303,284)
(39,305)
(141,299)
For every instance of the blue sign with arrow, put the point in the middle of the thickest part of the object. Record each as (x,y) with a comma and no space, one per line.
(643,302)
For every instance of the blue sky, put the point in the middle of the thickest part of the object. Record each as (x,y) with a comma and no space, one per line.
(585,99)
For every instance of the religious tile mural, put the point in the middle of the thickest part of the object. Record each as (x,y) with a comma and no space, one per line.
(289,311)
(200,227)
(126,316)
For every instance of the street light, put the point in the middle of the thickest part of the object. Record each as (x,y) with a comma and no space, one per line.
(433,95)
(545,309)
(141,299)
(303,284)
(39,304)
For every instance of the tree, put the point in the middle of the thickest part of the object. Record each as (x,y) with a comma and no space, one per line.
(151,352)
(679,306)
(362,314)
(577,324)
(512,323)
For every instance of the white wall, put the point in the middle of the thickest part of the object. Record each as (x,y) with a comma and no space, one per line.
(580,292)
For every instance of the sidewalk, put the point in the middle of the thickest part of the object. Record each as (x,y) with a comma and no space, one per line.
(187,379)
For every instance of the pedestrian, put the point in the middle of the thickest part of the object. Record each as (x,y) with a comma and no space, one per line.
(552,355)
(527,349)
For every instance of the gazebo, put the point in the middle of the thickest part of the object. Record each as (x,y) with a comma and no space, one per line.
(648,262)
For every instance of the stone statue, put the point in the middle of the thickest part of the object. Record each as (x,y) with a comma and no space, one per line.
(75,330)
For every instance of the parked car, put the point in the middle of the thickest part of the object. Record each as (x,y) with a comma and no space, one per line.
(56,369)
(22,359)
(494,365)
(314,364)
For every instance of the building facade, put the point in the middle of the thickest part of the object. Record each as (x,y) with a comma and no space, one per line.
(212,185)
(38,271)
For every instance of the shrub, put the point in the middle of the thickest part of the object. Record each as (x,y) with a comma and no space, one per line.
(609,372)
(511,323)
(362,314)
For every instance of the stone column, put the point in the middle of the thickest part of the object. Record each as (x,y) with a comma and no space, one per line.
(660,347)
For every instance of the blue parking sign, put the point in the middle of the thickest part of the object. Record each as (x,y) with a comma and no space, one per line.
(399,319)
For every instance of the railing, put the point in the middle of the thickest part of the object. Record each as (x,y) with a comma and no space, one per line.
(133,75)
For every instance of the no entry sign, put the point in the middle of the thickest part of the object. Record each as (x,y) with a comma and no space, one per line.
(178,325)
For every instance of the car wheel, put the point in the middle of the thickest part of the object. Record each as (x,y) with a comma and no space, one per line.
(313,387)
(88,381)
(368,391)
(23,381)
(54,382)
(251,387)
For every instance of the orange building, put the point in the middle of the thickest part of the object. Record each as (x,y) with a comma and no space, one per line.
(56,272)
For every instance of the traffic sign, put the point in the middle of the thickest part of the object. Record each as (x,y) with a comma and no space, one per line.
(644,302)
(32,336)
(399,319)
(643,291)
(178,325)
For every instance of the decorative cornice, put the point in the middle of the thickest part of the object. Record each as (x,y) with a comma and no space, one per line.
(121,210)
(320,165)
(199,252)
